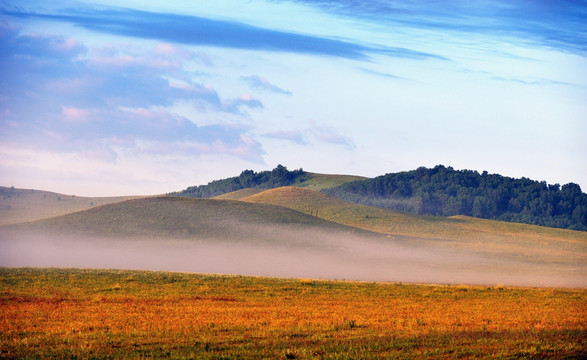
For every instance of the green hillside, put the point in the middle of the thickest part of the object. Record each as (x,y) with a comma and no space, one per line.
(478,235)
(20,205)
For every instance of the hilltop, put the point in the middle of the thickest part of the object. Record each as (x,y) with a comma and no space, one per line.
(280,176)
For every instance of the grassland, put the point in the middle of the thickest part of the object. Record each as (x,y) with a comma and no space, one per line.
(58,313)
(479,235)
(20,205)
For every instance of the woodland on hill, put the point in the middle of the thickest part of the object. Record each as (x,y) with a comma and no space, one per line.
(435,191)
(444,191)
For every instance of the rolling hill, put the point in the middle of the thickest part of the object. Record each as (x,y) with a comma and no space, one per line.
(437,191)
(183,218)
(20,205)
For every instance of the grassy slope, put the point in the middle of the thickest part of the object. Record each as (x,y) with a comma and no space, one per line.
(314,181)
(238,195)
(20,205)
(481,235)
(163,217)
(55,313)
(322,181)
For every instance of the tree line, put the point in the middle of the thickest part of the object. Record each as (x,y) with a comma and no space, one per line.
(280,176)
(444,191)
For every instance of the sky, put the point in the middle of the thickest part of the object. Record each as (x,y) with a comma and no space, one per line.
(102,98)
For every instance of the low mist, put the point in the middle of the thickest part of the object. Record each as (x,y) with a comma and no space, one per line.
(316,254)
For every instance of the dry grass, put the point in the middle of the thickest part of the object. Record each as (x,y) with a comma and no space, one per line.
(129,314)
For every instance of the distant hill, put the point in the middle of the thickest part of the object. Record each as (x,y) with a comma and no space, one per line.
(20,205)
(438,191)
(448,192)
(182,218)
(280,176)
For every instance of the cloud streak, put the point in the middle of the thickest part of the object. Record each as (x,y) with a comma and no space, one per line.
(260,83)
(529,21)
(194,30)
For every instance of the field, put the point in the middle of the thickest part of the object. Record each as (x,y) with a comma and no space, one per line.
(59,313)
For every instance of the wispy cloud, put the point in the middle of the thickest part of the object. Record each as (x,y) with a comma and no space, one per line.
(330,134)
(296,136)
(194,30)
(378,73)
(260,83)
(314,132)
(530,81)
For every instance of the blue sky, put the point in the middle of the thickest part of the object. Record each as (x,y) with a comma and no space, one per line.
(146,97)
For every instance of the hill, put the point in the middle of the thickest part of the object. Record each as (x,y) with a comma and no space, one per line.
(448,192)
(438,191)
(182,218)
(494,238)
(21,205)
(280,176)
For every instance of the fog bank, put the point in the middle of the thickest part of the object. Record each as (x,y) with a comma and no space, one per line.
(322,256)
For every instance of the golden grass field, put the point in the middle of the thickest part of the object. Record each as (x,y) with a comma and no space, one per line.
(58,313)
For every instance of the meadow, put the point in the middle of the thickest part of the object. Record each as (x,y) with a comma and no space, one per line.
(66,313)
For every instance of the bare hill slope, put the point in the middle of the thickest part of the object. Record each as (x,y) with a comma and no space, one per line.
(20,205)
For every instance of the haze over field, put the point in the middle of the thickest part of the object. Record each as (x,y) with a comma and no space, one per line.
(144,98)
(237,237)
